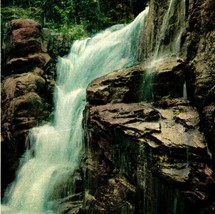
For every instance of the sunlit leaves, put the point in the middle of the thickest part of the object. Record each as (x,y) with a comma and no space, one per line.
(63,15)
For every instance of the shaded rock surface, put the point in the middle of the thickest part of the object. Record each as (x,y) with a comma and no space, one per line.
(196,48)
(147,81)
(23,37)
(154,147)
(25,103)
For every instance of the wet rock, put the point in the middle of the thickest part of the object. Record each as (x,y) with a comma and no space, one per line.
(148,81)
(198,48)
(147,145)
(111,198)
(167,78)
(158,128)
(24,87)
(71,204)
(208,127)
(155,146)
(151,32)
(119,86)
(166,102)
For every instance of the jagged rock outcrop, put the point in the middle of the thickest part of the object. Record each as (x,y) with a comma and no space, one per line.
(144,81)
(24,90)
(151,150)
(158,148)
(196,48)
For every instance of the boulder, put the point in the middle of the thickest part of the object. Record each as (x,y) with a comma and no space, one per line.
(27,63)
(23,37)
(109,87)
(148,81)
(24,23)
(25,102)
(21,84)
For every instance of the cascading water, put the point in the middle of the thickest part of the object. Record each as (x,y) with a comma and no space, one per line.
(167,46)
(169,31)
(56,148)
(172,30)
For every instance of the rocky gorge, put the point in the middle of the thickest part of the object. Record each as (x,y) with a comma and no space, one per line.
(149,138)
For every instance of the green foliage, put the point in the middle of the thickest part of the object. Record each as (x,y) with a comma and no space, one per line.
(73,32)
(71,17)
(14,12)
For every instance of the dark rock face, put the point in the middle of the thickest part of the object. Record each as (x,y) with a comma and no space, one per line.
(153,151)
(158,149)
(24,88)
(140,82)
(198,48)
(109,88)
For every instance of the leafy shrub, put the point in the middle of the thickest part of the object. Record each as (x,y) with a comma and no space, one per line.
(14,12)
(73,31)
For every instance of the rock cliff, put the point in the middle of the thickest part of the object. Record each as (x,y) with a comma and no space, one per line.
(198,49)
(146,156)
(29,57)
(150,128)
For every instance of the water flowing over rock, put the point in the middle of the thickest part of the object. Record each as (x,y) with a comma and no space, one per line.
(148,125)
(49,170)
(24,89)
(193,42)
(155,148)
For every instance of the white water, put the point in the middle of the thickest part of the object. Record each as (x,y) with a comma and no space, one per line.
(163,51)
(56,149)
(173,47)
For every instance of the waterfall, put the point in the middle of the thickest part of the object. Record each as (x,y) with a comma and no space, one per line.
(167,45)
(56,148)
(171,29)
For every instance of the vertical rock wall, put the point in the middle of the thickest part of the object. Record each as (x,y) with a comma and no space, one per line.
(140,157)
(196,48)
(145,157)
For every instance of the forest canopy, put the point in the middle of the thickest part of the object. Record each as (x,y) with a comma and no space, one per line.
(75,17)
